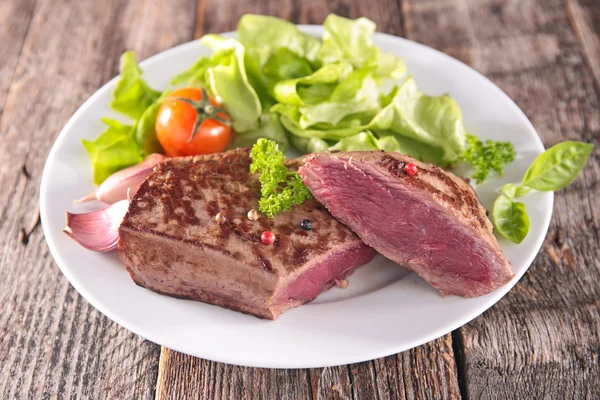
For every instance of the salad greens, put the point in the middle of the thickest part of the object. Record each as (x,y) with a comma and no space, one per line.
(280,86)
(121,146)
(323,91)
(552,170)
(280,189)
(115,149)
(132,96)
(277,82)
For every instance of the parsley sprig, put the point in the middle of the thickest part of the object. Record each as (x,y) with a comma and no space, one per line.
(280,189)
(483,157)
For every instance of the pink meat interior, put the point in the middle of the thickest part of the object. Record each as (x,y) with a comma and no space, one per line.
(323,274)
(406,226)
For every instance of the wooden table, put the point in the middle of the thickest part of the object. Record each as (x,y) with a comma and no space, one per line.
(541,341)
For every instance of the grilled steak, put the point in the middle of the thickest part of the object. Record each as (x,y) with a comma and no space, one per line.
(171,242)
(431,223)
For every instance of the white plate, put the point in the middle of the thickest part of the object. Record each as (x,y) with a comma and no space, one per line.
(385,310)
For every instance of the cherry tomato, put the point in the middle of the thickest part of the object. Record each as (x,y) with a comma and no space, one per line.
(176,119)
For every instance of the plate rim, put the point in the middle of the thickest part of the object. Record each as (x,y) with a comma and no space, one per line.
(341,359)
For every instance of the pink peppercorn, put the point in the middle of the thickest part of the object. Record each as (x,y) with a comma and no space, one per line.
(410,169)
(267,237)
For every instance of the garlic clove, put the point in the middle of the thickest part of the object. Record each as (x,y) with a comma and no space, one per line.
(97,230)
(116,186)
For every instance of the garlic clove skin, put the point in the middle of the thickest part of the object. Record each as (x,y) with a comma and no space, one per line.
(97,230)
(116,186)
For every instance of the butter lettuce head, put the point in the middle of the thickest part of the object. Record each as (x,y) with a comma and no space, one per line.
(429,128)
(329,86)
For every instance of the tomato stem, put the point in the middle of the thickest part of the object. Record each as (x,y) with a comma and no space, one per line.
(205,110)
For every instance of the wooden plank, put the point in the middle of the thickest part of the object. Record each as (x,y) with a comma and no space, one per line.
(423,373)
(183,376)
(52,342)
(426,372)
(584,18)
(14,23)
(542,339)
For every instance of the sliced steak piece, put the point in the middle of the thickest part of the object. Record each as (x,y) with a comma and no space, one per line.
(431,223)
(171,242)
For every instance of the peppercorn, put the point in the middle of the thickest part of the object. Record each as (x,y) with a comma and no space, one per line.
(220,218)
(410,169)
(267,237)
(253,215)
(306,224)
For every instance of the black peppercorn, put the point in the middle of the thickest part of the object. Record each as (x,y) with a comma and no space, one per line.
(306,224)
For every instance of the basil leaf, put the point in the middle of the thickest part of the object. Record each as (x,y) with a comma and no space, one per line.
(521,191)
(511,219)
(558,166)
(509,190)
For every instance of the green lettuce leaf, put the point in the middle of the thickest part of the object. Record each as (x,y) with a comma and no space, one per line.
(259,31)
(354,100)
(229,83)
(132,96)
(254,61)
(433,121)
(366,141)
(425,127)
(145,132)
(116,148)
(269,127)
(286,91)
(415,149)
(352,41)
(195,76)
(356,95)
(348,128)
(285,64)
(312,145)
(315,94)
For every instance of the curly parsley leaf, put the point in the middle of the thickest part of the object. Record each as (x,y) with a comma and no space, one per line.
(485,157)
(280,189)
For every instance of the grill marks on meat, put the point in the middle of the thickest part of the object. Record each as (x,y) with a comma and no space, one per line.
(431,223)
(172,244)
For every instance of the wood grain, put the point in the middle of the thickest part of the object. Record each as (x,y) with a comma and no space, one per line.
(426,372)
(541,340)
(15,17)
(53,344)
(585,20)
